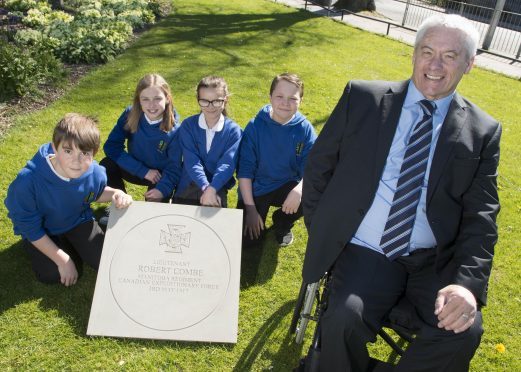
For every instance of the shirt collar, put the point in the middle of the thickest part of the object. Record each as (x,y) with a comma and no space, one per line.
(271,117)
(414,95)
(216,128)
(151,122)
(48,158)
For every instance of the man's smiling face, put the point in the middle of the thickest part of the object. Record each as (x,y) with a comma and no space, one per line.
(440,60)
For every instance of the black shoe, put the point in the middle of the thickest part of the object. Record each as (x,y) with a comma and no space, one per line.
(284,238)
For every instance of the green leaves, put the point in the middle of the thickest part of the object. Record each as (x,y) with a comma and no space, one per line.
(23,69)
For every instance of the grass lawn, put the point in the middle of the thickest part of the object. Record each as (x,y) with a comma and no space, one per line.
(248,42)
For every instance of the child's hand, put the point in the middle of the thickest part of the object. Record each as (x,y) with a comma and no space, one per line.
(154,195)
(121,200)
(210,198)
(68,273)
(253,223)
(153,175)
(292,202)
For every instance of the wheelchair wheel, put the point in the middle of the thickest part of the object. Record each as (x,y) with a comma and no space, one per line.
(305,315)
(298,308)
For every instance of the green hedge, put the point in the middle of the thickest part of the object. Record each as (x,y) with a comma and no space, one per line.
(88,31)
(22,70)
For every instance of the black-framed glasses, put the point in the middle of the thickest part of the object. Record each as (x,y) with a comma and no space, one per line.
(214,103)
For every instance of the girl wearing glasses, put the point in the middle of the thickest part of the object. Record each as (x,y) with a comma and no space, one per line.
(210,142)
(143,148)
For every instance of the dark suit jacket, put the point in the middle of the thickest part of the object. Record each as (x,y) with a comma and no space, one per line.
(345,165)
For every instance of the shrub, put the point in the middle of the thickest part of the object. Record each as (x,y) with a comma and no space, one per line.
(97,32)
(22,70)
(35,39)
(24,5)
(137,18)
(160,8)
(83,41)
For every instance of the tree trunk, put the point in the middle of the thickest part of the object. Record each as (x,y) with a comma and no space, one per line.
(355,5)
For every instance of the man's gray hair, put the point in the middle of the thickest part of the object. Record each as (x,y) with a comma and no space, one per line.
(454,21)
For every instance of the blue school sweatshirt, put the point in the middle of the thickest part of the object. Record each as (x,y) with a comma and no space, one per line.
(39,202)
(148,148)
(272,154)
(215,167)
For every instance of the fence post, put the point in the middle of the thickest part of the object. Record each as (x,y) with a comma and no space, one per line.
(405,12)
(461,8)
(493,24)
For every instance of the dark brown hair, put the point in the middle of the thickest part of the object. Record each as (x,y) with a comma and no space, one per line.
(290,78)
(77,129)
(215,82)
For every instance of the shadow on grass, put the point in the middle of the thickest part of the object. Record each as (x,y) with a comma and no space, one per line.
(19,285)
(185,47)
(258,263)
(279,360)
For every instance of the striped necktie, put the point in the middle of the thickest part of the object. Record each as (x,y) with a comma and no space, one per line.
(397,233)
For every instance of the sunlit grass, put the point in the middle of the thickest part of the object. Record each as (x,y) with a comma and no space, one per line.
(247,42)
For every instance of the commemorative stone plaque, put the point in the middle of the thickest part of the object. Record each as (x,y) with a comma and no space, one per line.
(169,271)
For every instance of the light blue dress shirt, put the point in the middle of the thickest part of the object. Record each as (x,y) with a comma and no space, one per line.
(370,231)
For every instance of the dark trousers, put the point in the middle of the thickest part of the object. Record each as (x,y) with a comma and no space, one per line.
(282,222)
(116,175)
(364,286)
(82,243)
(192,194)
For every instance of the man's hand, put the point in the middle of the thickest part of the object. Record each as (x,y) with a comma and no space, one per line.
(120,199)
(68,273)
(154,195)
(153,175)
(456,308)
(292,201)
(210,198)
(253,222)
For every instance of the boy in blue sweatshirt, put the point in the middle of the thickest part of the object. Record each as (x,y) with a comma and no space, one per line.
(210,142)
(49,202)
(272,158)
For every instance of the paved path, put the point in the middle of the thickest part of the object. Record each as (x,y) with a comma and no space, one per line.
(393,10)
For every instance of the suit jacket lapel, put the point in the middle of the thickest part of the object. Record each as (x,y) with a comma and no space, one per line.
(450,131)
(391,108)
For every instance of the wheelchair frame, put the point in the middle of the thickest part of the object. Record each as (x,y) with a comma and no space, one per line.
(304,312)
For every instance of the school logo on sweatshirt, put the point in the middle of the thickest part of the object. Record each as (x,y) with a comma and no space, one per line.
(89,198)
(299,148)
(161,146)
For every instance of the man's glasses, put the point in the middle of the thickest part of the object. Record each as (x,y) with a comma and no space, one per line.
(214,103)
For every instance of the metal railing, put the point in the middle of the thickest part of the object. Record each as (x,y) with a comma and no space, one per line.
(502,38)
(329,8)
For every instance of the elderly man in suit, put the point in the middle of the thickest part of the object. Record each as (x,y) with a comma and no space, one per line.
(400,199)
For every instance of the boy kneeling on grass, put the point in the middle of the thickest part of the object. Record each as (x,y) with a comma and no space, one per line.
(49,202)
(273,154)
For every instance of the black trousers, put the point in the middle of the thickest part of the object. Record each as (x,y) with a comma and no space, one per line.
(116,175)
(193,193)
(82,243)
(364,286)
(282,222)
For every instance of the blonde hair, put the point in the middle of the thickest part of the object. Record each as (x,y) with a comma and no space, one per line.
(77,129)
(147,81)
(215,82)
(290,78)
